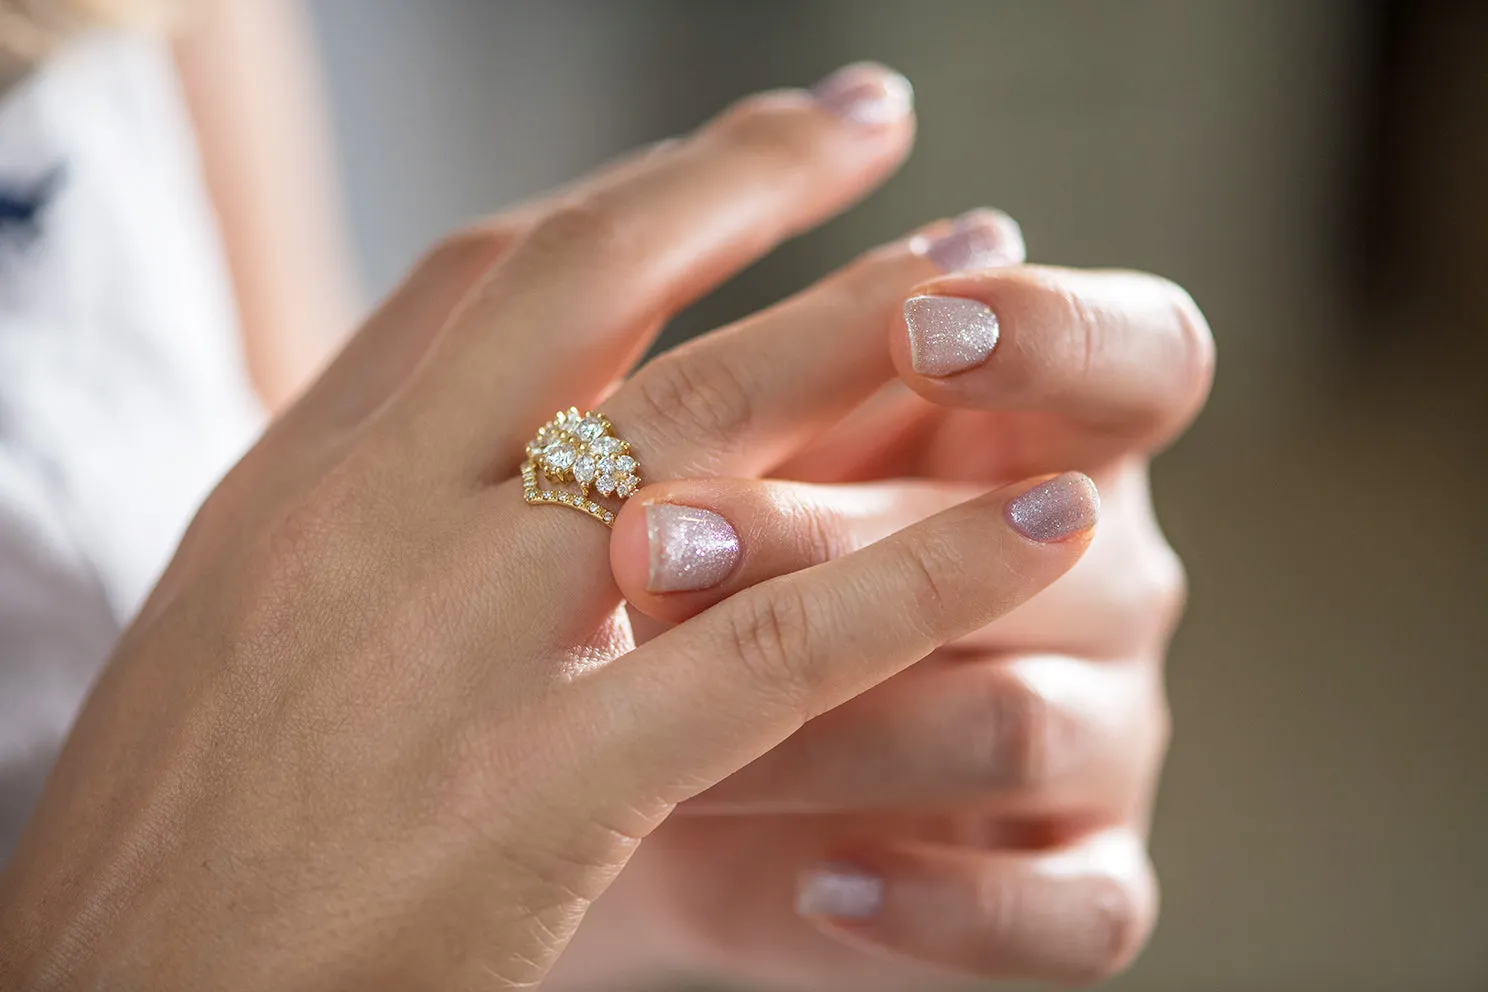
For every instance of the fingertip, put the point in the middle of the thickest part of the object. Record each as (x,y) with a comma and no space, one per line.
(868,94)
(668,553)
(1076,915)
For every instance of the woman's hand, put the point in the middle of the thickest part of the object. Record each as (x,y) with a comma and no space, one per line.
(382,724)
(986,811)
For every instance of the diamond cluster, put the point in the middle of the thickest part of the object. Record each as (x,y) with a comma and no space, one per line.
(580,448)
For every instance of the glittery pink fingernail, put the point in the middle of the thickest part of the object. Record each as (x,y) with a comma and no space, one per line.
(691,548)
(1055,509)
(866,93)
(839,890)
(949,334)
(979,239)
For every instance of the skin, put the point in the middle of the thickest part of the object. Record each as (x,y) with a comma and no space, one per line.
(313,688)
(982,774)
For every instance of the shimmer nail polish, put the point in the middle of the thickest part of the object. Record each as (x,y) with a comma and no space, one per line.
(1053,510)
(948,334)
(979,239)
(866,93)
(691,548)
(838,890)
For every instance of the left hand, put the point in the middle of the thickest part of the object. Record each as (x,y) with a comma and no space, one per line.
(986,811)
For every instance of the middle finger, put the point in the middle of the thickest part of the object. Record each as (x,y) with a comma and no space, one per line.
(1028,736)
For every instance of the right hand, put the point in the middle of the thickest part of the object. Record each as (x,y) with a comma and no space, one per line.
(384,725)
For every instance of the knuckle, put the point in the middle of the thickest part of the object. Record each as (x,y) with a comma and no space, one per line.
(1160,724)
(583,227)
(696,397)
(929,568)
(758,130)
(769,636)
(468,250)
(1161,584)
(821,534)
(1023,723)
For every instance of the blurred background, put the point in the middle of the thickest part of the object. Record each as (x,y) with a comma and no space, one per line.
(1316,172)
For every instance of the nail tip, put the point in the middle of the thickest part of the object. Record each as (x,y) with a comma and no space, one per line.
(981,238)
(866,93)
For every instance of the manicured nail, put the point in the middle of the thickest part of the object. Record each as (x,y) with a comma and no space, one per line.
(866,93)
(838,890)
(948,334)
(979,239)
(1053,510)
(691,548)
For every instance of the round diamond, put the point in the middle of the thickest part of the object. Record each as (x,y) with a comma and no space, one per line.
(605,484)
(607,466)
(625,485)
(625,463)
(583,469)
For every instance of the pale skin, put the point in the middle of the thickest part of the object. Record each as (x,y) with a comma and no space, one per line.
(386,728)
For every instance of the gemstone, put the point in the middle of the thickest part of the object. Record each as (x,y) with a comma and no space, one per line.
(589,428)
(607,466)
(559,457)
(606,445)
(625,485)
(625,463)
(583,469)
(593,507)
(605,484)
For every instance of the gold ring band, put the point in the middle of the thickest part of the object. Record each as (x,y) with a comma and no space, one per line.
(581,451)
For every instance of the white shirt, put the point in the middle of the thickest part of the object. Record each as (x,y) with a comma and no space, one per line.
(123,396)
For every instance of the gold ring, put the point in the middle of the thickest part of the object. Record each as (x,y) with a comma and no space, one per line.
(580,450)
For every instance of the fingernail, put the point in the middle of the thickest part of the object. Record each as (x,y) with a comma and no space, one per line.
(948,334)
(1053,510)
(980,239)
(866,93)
(838,890)
(691,548)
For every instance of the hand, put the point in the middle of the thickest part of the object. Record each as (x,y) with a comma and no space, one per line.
(382,725)
(995,798)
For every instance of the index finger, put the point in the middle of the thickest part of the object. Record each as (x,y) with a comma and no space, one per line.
(1124,354)
(741,677)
